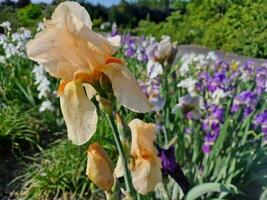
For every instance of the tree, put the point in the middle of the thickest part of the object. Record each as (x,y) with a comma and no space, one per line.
(23,3)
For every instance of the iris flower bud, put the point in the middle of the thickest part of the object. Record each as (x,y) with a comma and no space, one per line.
(99,167)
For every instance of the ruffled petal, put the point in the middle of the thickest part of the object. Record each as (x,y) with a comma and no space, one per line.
(143,136)
(62,56)
(146,174)
(126,88)
(68,44)
(146,165)
(75,9)
(79,113)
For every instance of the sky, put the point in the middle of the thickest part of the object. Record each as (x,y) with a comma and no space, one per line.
(103,2)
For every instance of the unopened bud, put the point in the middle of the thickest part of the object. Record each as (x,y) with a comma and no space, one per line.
(105,105)
(99,167)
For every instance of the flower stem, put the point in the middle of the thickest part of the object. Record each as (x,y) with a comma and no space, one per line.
(121,152)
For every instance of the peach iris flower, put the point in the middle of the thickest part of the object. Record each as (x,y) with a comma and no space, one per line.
(146,165)
(72,52)
(99,167)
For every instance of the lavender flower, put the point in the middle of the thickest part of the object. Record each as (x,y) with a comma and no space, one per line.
(152,91)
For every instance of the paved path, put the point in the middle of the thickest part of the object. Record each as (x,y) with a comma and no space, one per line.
(185,49)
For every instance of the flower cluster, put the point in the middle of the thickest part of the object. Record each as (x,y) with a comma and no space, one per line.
(211,126)
(13,44)
(151,89)
(43,87)
(246,100)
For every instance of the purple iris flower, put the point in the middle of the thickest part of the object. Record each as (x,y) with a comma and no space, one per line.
(261,120)
(247,100)
(130,52)
(206,148)
(249,66)
(261,78)
(211,126)
(217,112)
(172,168)
(222,65)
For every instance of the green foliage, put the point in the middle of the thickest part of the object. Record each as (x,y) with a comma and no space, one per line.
(204,188)
(18,127)
(232,25)
(29,14)
(60,169)
(128,15)
(57,171)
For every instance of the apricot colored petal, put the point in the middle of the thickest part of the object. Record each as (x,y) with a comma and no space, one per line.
(62,56)
(75,9)
(146,175)
(143,136)
(79,113)
(99,167)
(126,88)
(90,91)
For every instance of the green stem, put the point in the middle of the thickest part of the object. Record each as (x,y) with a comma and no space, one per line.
(166,107)
(121,152)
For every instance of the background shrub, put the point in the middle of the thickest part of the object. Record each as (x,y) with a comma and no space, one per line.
(231,25)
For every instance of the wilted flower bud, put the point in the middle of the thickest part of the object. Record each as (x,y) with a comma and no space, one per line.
(99,167)
(172,54)
(164,48)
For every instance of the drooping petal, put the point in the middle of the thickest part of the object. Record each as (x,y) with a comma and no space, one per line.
(126,88)
(146,174)
(79,113)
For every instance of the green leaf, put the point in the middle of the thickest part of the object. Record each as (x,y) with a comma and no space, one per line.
(205,188)
(264,195)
